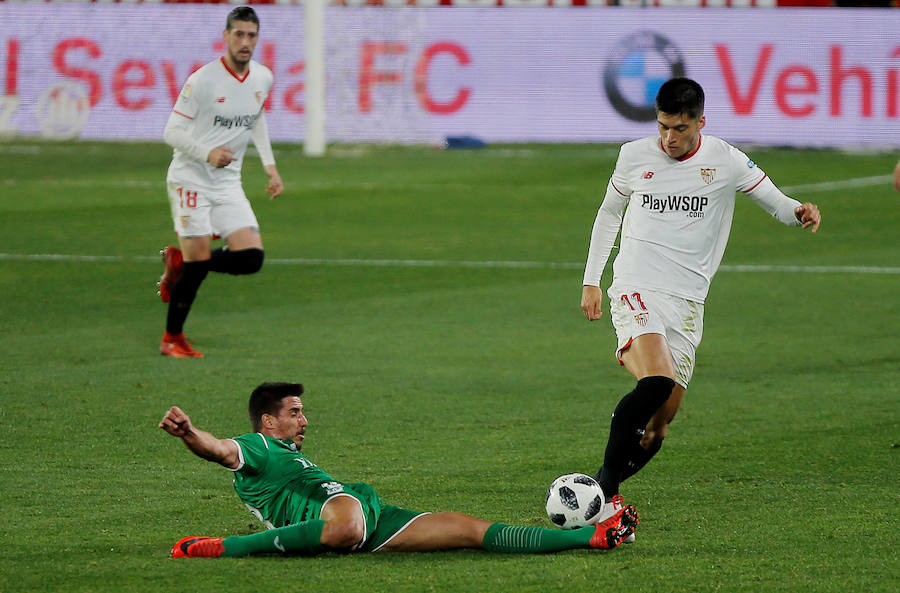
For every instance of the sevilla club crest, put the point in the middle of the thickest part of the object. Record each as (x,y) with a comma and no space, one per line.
(642,318)
(708,175)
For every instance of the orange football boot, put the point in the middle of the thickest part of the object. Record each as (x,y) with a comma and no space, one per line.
(177,346)
(198,547)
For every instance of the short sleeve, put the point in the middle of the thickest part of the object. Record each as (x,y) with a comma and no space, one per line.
(253,453)
(747,174)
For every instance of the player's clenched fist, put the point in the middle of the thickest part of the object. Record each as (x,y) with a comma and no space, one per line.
(591,302)
(175,422)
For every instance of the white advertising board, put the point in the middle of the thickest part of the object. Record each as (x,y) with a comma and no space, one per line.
(784,76)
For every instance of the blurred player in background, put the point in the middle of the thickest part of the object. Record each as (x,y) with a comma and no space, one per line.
(309,512)
(897,176)
(679,190)
(219,110)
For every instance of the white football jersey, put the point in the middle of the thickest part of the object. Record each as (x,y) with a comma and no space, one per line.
(678,215)
(222,109)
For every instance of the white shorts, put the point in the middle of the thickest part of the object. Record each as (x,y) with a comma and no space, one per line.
(636,312)
(198,211)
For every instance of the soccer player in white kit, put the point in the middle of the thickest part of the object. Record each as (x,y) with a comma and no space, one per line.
(679,190)
(219,110)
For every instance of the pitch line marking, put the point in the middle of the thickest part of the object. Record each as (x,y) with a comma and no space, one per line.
(839,184)
(788,189)
(436,263)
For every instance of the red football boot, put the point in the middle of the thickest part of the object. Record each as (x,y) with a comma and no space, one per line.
(173,261)
(613,531)
(198,547)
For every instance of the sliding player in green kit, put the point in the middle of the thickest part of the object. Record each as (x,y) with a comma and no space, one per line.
(309,512)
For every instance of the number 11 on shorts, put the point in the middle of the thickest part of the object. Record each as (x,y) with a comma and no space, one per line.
(636,296)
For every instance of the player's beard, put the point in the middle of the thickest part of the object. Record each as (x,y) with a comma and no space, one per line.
(238,60)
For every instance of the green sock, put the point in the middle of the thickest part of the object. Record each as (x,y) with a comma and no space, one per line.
(533,540)
(302,538)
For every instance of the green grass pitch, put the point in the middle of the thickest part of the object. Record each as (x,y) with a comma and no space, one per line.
(447,386)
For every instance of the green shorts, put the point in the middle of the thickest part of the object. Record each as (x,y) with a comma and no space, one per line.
(383,521)
(393,520)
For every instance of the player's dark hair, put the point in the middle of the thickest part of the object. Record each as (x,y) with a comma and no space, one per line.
(241,13)
(266,399)
(680,95)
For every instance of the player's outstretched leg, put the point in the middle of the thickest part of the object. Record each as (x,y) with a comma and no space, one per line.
(172,259)
(523,540)
(300,538)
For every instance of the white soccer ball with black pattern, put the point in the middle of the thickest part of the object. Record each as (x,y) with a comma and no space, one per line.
(574,500)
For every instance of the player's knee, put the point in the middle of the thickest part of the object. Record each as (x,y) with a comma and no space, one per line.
(637,408)
(468,530)
(343,535)
(247,261)
(659,386)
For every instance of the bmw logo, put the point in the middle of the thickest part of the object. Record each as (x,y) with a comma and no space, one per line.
(638,66)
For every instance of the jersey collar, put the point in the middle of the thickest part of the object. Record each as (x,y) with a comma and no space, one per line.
(233,73)
(289,443)
(687,156)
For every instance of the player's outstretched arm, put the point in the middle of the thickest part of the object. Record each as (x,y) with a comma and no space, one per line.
(275,185)
(592,302)
(201,443)
(808,215)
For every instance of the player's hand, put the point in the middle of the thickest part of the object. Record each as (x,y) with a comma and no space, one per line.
(220,157)
(275,186)
(591,302)
(176,422)
(808,215)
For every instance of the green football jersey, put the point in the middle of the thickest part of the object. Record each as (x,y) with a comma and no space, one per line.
(277,483)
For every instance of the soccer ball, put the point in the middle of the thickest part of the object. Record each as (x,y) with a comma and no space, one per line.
(574,500)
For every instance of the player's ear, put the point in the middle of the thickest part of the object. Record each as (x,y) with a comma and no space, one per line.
(701,122)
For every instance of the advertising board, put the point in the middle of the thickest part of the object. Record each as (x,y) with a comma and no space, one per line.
(827,78)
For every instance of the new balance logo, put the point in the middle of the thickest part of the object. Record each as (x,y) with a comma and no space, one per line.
(647,175)
(220,100)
